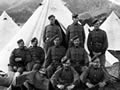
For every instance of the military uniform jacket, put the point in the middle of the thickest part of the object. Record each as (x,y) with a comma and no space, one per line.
(97,41)
(37,54)
(54,55)
(75,30)
(50,31)
(94,76)
(77,55)
(65,77)
(19,57)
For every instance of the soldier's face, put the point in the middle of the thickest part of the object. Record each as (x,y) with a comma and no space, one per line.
(57,41)
(35,43)
(75,20)
(97,25)
(66,65)
(52,20)
(21,44)
(76,42)
(97,63)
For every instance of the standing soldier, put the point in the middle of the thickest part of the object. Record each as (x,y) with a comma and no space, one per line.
(50,32)
(77,55)
(37,55)
(75,29)
(97,43)
(54,56)
(19,59)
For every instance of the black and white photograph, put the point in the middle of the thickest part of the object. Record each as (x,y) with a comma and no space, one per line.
(59,44)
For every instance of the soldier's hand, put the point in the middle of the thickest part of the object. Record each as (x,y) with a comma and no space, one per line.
(102,84)
(84,68)
(60,86)
(70,87)
(89,85)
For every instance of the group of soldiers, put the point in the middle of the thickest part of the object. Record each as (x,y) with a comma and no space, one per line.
(67,67)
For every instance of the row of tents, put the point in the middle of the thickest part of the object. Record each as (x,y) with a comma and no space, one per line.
(10,33)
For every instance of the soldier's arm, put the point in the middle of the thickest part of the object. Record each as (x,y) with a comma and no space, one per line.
(76,76)
(44,35)
(55,77)
(89,42)
(105,44)
(67,35)
(83,33)
(84,75)
(68,54)
(28,57)
(11,61)
(60,33)
(42,56)
(86,58)
(47,59)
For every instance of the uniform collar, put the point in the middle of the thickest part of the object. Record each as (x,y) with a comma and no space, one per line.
(52,24)
(75,24)
(57,46)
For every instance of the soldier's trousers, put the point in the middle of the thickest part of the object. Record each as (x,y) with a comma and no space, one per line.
(51,69)
(33,66)
(47,45)
(7,80)
(77,67)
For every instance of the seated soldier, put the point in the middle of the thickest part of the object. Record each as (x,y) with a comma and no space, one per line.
(65,78)
(34,80)
(77,55)
(54,56)
(19,58)
(37,55)
(94,77)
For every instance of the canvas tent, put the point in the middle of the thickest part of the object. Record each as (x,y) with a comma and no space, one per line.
(112,27)
(109,57)
(8,29)
(34,27)
(87,29)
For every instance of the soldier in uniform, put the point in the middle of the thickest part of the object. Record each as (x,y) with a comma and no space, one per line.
(65,78)
(37,55)
(97,43)
(75,29)
(50,32)
(95,77)
(77,55)
(54,56)
(19,59)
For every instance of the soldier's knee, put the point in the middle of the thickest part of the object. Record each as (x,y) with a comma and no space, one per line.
(20,69)
(36,67)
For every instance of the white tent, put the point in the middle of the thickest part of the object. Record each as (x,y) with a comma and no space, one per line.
(109,57)
(8,29)
(87,28)
(34,27)
(112,28)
